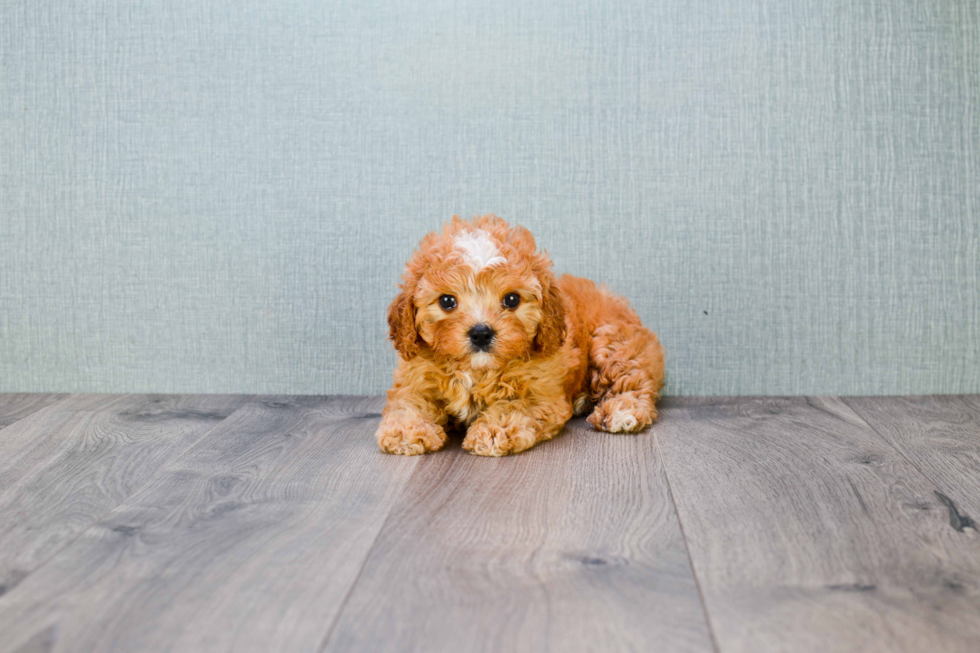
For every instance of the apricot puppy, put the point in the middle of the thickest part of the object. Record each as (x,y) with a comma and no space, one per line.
(490,341)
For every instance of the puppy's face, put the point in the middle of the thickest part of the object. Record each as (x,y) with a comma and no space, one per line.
(479,294)
(477,305)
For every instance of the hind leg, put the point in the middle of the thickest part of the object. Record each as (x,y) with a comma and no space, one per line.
(627,368)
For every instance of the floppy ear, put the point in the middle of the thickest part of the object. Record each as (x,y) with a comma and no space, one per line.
(401,324)
(551,330)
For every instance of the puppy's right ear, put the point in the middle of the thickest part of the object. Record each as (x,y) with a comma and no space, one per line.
(401,324)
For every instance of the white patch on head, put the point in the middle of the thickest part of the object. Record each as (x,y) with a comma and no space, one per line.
(480,360)
(622,421)
(478,249)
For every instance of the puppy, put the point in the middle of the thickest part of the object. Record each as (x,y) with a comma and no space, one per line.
(490,341)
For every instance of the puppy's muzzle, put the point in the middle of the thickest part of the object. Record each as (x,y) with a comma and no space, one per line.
(481,337)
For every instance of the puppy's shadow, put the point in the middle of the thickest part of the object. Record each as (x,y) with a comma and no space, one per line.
(455,433)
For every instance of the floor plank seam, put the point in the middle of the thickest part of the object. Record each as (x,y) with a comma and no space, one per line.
(687,549)
(937,488)
(367,555)
(63,398)
(108,512)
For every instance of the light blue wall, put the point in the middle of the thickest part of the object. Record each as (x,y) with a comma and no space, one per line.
(218,196)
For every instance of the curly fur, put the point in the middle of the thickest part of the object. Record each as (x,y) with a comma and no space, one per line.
(568,347)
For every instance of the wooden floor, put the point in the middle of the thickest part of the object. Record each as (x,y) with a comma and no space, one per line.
(225,523)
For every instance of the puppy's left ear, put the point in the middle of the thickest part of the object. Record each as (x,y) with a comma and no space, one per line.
(551,330)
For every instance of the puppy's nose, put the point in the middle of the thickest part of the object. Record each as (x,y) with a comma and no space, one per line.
(481,336)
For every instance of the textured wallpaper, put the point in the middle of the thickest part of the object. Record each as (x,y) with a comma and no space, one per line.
(219,196)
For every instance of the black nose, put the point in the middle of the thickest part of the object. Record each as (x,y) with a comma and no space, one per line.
(481,336)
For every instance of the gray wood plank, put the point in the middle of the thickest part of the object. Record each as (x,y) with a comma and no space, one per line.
(65,465)
(808,532)
(940,436)
(16,406)
(572,546)
(249,541)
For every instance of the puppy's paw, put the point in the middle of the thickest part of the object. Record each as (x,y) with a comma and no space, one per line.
(407,433)
(623,413)
(500,436)
(581,405)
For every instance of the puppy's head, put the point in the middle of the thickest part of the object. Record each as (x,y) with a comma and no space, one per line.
(479,293)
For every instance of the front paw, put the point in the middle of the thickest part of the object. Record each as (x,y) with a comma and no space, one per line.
(407,433)
(623,413)
(499,437)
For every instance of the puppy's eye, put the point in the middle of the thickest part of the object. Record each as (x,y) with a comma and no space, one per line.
(511,300)
(447,302)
